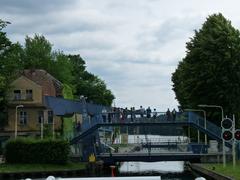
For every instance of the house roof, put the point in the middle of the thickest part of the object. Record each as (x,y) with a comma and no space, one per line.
(44,79)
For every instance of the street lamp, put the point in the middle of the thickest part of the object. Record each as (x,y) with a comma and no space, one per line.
(220,107)
(205,122)
(213,106)
(16,121)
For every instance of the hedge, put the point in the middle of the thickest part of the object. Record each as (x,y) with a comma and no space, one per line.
(37,151)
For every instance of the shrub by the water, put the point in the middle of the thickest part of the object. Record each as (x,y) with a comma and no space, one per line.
(37,151)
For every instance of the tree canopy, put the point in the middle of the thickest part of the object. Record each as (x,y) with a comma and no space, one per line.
(10,63)
(38,53)
(210,71)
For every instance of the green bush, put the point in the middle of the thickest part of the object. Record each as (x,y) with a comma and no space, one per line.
(37,151)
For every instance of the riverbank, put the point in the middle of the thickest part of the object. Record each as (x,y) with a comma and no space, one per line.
(22,171)
(16,168)
(229,170)
(211,173)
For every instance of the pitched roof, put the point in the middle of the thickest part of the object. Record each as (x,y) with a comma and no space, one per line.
(51,86)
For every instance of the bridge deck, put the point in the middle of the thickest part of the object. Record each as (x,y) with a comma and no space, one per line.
(146,157)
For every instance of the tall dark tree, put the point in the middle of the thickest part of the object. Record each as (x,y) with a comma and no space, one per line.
(70,70)
(38,53)
(62,68)
(88,84)
(10,64)
(210,71)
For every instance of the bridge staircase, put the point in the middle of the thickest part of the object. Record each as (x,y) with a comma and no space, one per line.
(182,120)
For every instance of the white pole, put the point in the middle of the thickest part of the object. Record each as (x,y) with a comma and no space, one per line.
(198,137)
(41,127)
(189,136)
(198,133)
(205,126)
(233,145)
(224,150)
(53,129)
(16,122)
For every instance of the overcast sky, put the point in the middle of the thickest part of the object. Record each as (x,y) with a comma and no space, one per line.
(134,45)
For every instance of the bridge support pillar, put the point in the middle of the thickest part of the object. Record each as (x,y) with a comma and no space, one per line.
(198,133)
(189,134)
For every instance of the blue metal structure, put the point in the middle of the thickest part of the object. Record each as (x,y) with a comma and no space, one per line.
(101,119)
(182,120)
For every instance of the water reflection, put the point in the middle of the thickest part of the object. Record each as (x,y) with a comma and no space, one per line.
(170,170)
(161,167)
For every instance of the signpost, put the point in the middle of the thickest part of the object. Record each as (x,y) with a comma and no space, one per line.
(229,134)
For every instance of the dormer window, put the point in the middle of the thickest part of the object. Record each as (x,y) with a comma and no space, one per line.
(29,94)
(17,94)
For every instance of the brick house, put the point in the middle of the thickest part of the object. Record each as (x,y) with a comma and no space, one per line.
(29,90)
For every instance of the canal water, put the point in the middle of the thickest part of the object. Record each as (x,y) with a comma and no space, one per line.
(173,170)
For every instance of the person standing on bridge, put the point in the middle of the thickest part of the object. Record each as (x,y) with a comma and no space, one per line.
(168,114)
(132,113)
(154,113)
(174,114)
(149,111)
(142,111)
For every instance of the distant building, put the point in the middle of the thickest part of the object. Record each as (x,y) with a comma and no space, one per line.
(29,90)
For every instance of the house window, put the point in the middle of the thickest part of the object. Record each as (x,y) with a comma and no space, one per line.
(17,94)
(50,117)
(40,117)
(23,117)
(29,94)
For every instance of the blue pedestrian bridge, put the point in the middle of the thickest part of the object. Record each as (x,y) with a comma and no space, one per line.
(107,135)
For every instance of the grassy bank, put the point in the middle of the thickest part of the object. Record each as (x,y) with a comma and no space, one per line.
(12,168)
(228,171)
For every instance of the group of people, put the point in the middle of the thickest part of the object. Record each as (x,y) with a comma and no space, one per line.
(132,113)
(122,114)
(171,115)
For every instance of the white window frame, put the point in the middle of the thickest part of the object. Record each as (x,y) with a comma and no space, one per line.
(23,117)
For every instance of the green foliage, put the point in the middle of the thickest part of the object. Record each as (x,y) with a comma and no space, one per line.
(37,151)
(229,170)
(67,92)
(10,64)
(48,131)
(38,53)
(210,71)
(68,125)
(88,84)
(69,69)
(62,68)
(15,168)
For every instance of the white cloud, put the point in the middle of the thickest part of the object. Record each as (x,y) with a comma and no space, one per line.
(133,45)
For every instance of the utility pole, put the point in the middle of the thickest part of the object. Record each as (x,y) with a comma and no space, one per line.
(41,127)
(233,145)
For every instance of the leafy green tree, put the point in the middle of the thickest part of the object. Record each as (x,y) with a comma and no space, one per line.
(38,53)
(10,64)
(210,71)
(88,84)
(62,68)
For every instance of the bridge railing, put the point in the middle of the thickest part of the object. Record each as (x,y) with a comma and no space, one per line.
(198,120)
(188,117)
